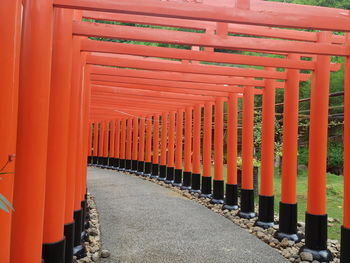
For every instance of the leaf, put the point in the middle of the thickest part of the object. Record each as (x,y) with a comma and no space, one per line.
(3,199)
(3,207)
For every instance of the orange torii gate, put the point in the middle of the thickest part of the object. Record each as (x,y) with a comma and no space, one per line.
(53,140)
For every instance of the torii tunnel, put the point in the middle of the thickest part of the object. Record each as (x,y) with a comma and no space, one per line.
(70,96)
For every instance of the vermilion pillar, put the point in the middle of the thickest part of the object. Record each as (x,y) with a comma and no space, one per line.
(162,167)
(57,147)
(77,83)
(207,147)
(196,160)
(288,205)
(148,162)
(179,148)
(90,144)
(10,28)
(117,144)
(171,144)
(122,144)
(101,143)
(128,145)
(33,112)
(141,159)
(95,143)
(316,220)
(135,144)
(345,231)
(111,160)
(247,191)
(105,143)
(187,175)
(231,184)
(155,162)
(266,198)
(218,186)
(73,213)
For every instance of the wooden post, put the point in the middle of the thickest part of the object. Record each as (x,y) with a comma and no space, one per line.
(10,30)
(163,153)
(231,197)
(247,191)
(33,112)
(57,146)
(187,174)
(288,215)
(267,171)
(316,221)
(196,160)
(218,185)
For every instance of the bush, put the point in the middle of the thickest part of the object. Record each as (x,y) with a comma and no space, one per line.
(335,159)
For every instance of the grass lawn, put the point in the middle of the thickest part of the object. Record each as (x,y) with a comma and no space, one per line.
(334,199)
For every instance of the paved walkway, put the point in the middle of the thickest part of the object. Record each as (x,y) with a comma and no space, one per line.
(144,222)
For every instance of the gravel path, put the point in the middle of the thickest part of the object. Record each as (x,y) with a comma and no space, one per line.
(144,222)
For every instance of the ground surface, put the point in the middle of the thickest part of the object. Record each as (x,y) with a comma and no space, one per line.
(144,222)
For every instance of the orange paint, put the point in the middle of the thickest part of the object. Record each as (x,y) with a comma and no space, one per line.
(267,169)
(207,139)
(219,139)
(179,145)
(196,161)
(247,138)
(188,139)
(232,121)
(164,138)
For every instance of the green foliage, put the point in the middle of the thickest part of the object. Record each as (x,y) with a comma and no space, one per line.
(5,204)
(345,4)
(335,159)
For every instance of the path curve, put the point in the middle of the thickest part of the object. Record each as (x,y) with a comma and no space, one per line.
(144,222)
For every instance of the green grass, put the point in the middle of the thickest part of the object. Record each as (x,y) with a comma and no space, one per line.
(334,198)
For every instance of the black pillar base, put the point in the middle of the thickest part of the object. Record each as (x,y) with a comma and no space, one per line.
(114,164)
(186,182)
(140,167)
(344,244)
(79,252)
(155,170)
(206,187)
(148,168)
(122,163)
(78,219)
(178,178)
(85,213)
(218,192)
(134,165)
(247,204)
(54,252)
(127,165)
(162,172)
(316,237)
(288,220)
(111,162)
(94,160)
(89,160)
(196,183)
(104,162)
(170,173)
(69,234)
(99,161)
(266,212)
(231,197)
